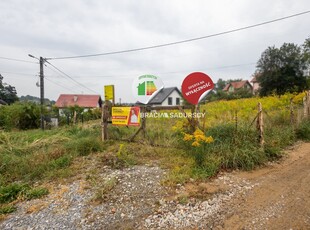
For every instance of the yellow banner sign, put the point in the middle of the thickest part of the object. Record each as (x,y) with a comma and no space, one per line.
(129,116)
(109,92)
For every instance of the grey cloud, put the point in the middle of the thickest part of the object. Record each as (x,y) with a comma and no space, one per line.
(65,28)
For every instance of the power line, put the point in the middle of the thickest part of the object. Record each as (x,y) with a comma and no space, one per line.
(171,72)
(56,83)
(46,77)
(59,76)
(25,74)
(71,78)
(212,68)
(183,41)
(133,74)
(19,60)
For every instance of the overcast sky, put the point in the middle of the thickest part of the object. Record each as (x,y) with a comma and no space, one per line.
(61,28)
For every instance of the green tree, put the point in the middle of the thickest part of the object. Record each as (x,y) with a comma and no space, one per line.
(220,84)
(7,92)
(281,70)
(306,50)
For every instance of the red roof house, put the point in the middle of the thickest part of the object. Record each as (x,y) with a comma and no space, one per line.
(233,86)
(81,100)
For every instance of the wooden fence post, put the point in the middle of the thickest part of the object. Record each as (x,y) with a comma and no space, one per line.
(204,120)
(142,125)
(143,122)
(292,119)
(104,121)
(236,120)
(306,102)
(74,117)
(260,124)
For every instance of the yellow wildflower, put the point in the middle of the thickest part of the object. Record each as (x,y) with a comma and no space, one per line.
(200,138)
(178,126)
(198,132)
(195,144)
(209,139)
(187,137)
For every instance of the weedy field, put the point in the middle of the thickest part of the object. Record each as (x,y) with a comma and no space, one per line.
(227,141)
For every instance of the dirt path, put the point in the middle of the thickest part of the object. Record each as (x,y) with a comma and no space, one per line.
(282,198)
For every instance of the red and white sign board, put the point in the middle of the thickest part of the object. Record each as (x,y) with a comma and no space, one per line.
(195,86)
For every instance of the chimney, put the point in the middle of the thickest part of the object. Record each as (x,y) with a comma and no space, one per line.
(75,98)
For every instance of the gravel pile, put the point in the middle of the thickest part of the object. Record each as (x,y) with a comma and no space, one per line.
(198,214)
(135,195)
(136,201)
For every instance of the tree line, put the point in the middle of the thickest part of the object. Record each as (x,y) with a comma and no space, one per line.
(285,69)
(278,71)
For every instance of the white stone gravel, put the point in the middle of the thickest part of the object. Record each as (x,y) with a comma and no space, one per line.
(196,214)
(138,201)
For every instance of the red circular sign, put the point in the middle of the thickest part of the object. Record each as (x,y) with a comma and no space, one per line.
(195,85)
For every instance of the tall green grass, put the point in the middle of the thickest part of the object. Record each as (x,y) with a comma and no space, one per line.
(32,155)
(303,130)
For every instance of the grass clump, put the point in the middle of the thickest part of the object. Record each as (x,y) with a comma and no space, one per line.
(11,192)
(125,157)
(102,189)
(35,193)
(84,146)
(61,162)
(6,209)
(16,191)
(303,130)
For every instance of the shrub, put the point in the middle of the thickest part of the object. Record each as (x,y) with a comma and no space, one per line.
(21,115)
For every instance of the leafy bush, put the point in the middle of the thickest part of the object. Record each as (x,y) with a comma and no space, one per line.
(21,115)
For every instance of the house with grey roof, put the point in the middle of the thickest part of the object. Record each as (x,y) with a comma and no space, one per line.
(167,97)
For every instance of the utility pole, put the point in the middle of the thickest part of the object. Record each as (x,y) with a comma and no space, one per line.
(41,60)
(42,91)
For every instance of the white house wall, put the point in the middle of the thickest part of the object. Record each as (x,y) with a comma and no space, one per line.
(174,95)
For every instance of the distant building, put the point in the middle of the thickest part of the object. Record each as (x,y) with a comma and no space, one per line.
(166,97)
(234,86)
(81,100)
(255,83)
